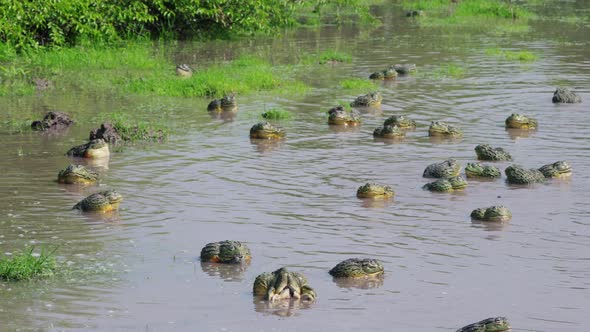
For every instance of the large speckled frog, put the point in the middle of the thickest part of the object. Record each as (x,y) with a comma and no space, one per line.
(357,268)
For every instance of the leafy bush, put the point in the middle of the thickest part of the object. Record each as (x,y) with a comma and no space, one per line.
(34,23)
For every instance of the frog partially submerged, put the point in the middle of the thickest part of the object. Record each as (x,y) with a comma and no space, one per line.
(339,116)
(266,130)
(516,174)
(444,169)
(496,213)
(374,190)
(477,170)
(519,121)
(369,100)
(282,284)
(487,152)
(439,128)
(357,268)
(226,252)
(558,169)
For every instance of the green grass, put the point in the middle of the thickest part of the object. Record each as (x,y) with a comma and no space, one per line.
(333,56)
(451,70)
(524,56)
(27,265)
(277,114)
(358,84)
(139,68)
(494,15)
(465,8)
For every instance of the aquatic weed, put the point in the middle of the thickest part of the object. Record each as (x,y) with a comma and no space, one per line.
(331,56)
(450,70)
(28,265)
(357,84)
(277,114)
(525,56)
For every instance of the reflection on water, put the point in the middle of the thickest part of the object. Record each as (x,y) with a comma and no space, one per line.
(361,283)
(264,146)
(225,116)
(344,129)
(294,200)
(376,203)
(515,134)
(98,164)
(282,308)
(444,140)
(389,141)
(111,217)
(227,272)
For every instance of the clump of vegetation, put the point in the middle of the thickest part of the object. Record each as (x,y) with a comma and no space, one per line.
(243,75)
(135,131)
(450,70)
(358,84)
(469,13)
(473,8)
(28,265)
(525,56)
(332,56)
(277,114)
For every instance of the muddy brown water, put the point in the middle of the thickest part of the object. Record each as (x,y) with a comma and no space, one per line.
(293,202)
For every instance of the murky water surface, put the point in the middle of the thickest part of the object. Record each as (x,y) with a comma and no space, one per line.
(293,202)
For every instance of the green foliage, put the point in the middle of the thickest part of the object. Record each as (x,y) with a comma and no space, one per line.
(35,23)
(524,56)
(27,265)
(333,56)
(277,114)
(358,84)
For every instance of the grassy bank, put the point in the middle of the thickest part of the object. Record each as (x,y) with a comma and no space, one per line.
(140,68)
